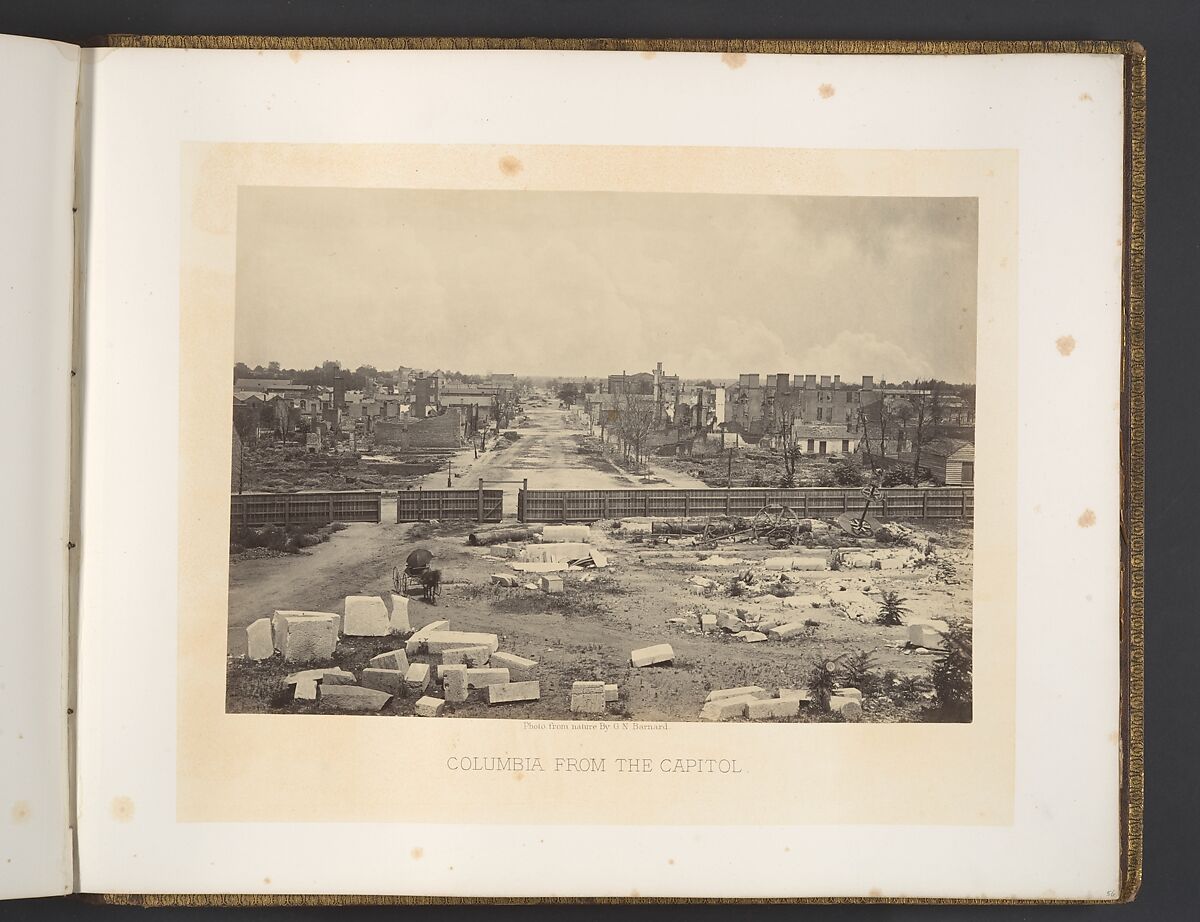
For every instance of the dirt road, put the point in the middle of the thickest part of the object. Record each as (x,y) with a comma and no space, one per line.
(548,455)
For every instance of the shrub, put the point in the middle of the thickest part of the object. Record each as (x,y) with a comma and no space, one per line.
(951,674)
(847,474)
(858,672)
(891,609)
(897,477)
(822,677)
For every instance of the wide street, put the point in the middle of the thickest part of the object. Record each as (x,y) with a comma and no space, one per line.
(548,455)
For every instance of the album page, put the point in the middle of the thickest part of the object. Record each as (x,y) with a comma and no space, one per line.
(572,469)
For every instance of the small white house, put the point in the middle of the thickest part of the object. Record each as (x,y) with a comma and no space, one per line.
(824,440)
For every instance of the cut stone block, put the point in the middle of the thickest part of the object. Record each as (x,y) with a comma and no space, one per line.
(416,643)
(447,640)
(337,677)
(353,699)
(366,616)
(799,694)
(848,707)
(260,640)
(784,631)
(520,668)
(385,680)
(727,621)
(766,708)
(922,634)
(588,701)
(398,618)
(652,656)
(482,677)
(307,640)
(796,563)
(551,584)
(471,656)
(393,659)
(849,693)
(305,684)
(611,692)
(566,533)
(751,636)
(429,707)
(417,678)
(280,621)
(442,670)
(725,708)
(506,692)
(503,579)
(305,690)
(744,691)
(708,622)
(454,684)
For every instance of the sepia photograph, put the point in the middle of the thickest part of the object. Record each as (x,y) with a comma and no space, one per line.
(622,456)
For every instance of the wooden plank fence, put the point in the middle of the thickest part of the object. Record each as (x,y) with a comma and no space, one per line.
(470,505)
(253,510)
(575,506)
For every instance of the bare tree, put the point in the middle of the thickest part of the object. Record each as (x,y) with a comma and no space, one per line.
(785,443)
(927,405)
(635,423)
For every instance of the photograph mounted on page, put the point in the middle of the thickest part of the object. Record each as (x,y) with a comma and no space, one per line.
(530,455)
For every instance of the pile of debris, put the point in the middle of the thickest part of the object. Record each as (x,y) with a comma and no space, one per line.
(754,703)
(469,660)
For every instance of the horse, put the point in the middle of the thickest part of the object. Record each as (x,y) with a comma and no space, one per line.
(431,582)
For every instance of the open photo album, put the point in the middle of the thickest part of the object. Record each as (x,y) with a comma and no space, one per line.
(490,455)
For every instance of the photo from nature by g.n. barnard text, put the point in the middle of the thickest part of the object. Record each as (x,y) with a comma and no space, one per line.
(602,456)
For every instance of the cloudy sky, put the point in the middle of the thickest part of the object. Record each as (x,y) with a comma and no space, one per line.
(553,283)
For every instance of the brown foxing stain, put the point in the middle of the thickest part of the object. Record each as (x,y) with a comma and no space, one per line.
(20,811)
(1085,97)
(267,880)
(517,776)
(649,55)
(417,854)
(875,893)
(826,90)
(295,54)
(1087,519)
(1065,344)
(122,809)
(733,59)
(510,165)
(670,861)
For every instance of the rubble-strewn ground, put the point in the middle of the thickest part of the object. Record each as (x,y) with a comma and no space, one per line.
(588,632)
(280,468)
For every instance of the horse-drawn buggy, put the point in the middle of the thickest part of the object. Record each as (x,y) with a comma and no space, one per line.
(418,576)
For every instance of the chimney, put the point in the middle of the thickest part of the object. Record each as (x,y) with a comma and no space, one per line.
(339,391)
(868,382)
(837,379)
(781,382)
(824,380)
(810,381)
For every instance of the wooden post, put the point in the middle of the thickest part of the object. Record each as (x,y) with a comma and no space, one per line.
(924,504)
(479,503)
(330,519)
(286,505)
(687,505)
(564,507)
(962,496)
